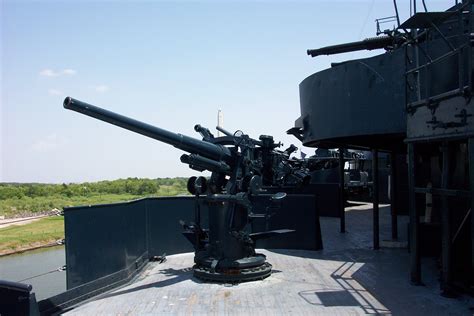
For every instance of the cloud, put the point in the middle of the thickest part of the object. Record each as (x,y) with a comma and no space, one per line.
(48,73)
(55,92)
(49,143)
(101,88)
(53,73)
(70,72)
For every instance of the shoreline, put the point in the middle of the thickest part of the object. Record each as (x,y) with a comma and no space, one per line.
(30,233)
(4,223)
(30,248)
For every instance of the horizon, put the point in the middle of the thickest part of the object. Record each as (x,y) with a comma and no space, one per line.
(169,64)
(109,180)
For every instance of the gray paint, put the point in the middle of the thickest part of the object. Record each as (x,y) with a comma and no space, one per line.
(335,106)
(112,240)
(297,212)
(346,278)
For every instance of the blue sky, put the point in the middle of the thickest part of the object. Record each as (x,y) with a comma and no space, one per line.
(171,64)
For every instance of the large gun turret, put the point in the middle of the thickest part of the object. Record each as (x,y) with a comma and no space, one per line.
(240,167)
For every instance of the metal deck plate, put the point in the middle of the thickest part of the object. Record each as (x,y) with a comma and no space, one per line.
(347,278)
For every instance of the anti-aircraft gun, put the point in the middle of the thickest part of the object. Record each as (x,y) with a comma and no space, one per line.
(240,166)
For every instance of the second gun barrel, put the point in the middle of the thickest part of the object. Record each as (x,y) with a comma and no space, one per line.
(367,44)
(183,142)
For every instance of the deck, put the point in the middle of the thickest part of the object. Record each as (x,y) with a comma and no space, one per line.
(346,278)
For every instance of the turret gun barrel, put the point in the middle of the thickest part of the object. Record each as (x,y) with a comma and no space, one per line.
(200,163)
(183,142)
(367,44)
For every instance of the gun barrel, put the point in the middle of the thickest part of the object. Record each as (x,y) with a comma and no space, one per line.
(224,131)
(183,142)
(194,160)
(367,44)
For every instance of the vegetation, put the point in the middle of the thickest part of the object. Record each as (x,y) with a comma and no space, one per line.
(34,198)
(39,233)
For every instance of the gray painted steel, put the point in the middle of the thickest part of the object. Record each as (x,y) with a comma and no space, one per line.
(336,107)
(164,230)
(103,239)
(443,106)
(439,83)
(107,243)
(298,212)
(346,278)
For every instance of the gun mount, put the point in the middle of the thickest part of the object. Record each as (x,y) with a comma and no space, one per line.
(240,166)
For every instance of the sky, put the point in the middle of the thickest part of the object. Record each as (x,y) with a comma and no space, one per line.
(170,64)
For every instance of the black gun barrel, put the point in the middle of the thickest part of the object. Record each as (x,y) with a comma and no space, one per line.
(183,142)
(367,44)
(194,160)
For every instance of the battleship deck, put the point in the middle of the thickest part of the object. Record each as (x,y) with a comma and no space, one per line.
(347,277)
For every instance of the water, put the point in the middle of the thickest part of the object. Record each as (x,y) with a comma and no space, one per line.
(22,266)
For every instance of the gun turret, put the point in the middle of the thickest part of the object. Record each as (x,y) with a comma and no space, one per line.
(366,44)
(239,166)
(183,142)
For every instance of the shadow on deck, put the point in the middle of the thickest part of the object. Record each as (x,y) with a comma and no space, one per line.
(347,277)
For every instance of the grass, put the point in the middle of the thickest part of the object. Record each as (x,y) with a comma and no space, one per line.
(25,205)
(44,231)
(21,237)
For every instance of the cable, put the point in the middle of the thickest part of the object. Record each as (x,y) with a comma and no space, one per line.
(63,268)
(366,19)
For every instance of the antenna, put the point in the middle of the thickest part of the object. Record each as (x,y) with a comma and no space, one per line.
(220,122)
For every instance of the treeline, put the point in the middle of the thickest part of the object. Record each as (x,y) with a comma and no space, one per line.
(25,199)
(130,186)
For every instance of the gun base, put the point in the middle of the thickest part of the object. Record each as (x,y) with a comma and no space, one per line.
(233,275)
